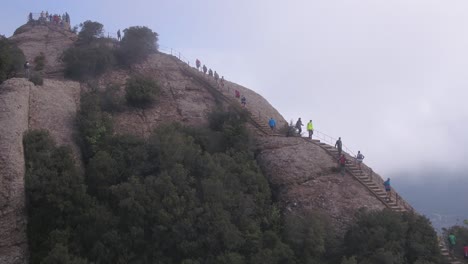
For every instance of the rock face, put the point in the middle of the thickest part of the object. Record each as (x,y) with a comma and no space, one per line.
(14,110)
(49,39)
(183,98)
(305,178)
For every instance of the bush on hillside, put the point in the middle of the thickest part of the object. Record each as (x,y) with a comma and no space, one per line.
(112,99)
(11,59)
(88,61)
(137,43)
(90,31)
(392,237)
(36,78)
(91,55)
(56,198)
(39,62)
(141,91)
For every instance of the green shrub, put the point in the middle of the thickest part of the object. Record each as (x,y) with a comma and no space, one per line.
(392,237)
(90,56)
(11,59)
(95,126)
(111,99)
(55,195)
(89,32)
(88,61)
(36,78)
(141,91)
(137,43)
(39,62)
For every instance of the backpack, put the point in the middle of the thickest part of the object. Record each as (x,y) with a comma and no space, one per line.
(360,156)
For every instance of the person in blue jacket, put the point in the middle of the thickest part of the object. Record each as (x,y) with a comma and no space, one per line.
(388,189)
(272,123)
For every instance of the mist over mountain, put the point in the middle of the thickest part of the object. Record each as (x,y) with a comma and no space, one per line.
(439,194)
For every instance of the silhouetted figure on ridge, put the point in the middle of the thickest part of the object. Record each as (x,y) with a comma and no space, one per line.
(243,101)
(204,69)
(216,76)
(119,37)
(210,73)
(198,64)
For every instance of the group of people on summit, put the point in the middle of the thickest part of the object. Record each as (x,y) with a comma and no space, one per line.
(52,18)
(219,82)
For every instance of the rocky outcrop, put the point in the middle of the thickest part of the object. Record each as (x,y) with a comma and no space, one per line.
(14,110)
(51,40)
(53,107)
(305,178)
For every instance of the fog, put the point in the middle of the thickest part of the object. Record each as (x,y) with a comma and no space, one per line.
(389,77)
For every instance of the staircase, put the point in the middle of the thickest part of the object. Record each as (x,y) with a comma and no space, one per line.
(445,252)
(366,179)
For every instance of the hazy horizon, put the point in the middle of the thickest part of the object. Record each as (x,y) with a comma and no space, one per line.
(388,77)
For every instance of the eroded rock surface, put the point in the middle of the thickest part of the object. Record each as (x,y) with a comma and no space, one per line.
(305,178)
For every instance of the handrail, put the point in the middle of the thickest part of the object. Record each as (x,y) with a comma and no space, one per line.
(331,140)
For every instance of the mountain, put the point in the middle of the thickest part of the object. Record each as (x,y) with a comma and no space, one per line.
(302,173)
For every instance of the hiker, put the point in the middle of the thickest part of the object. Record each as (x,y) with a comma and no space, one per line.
(272,123)
(216,76)
(243,101)
(342,163)
(46,15)
(210,73)
(339,145)
(30,17)
(237,93)
(50,18)
(359,158)
(198,64)
(26,69)
(452,241)
(67,18)
(310,129)
(299,125)
(465,252)
(119,36)
(222,81)
(388,189)
(42,15)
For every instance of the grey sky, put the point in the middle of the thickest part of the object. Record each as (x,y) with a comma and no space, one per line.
(389,77)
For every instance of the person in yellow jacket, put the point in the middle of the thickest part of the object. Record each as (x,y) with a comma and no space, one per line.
(310,129)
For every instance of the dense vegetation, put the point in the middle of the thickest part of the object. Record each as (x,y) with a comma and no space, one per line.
(388,237)
(461,234)
(93,54)
(187,195)
(11,59)
(141,91)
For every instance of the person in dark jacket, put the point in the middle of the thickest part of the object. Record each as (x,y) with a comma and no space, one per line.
(204,69)
(339,146)
(299,125)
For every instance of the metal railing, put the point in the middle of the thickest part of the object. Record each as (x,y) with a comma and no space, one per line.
(331,141)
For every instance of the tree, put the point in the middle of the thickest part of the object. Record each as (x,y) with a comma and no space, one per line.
(90,31)
(11,59)
(137,44)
